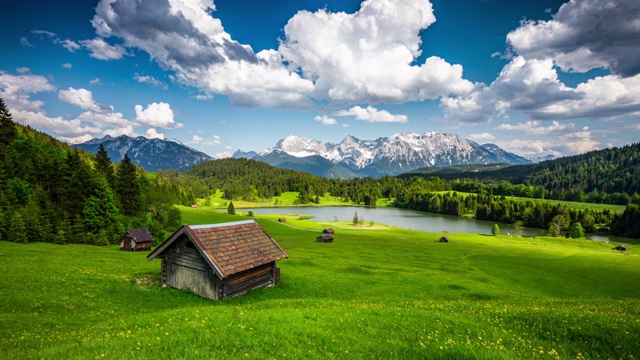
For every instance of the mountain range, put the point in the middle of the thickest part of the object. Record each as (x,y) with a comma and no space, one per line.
(384,156)
(350,158)
(150,154)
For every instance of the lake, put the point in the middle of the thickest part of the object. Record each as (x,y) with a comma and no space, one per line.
(416,220)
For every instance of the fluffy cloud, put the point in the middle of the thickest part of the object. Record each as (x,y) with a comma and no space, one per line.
(326,120)
(556,138)
(101,50)
(67,66)
(324,58)
(23,70)
(537,128)
(481,137)
(476,107)
(153,134)
(198,140)
(81,98)
(150,80)
(96,120)
(95,81)
(70,45)
(58,125)
(583,35)
(368,56)
(157,115)
(16,90)
(372,114)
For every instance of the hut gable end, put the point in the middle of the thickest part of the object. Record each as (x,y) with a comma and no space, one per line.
(220,260)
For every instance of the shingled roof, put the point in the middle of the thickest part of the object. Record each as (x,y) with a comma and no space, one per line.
(140,235)
(229,247)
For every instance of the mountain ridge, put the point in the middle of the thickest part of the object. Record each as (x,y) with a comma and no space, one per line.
(150,154)
(383,156)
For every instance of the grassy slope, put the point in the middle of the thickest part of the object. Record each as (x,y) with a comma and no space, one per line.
(386,293)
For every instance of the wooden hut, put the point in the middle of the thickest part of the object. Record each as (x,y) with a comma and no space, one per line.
(444,239)
(621,248)
(282,220)
(324,238)
(328,231)
(136,240)
(219,261)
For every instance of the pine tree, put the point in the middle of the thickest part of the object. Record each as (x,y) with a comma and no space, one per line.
(128,187)
(231,210)
(355,218)
(104,165)
(7,126)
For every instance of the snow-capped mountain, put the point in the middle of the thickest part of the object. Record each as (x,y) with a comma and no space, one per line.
(391,156)
(150,154)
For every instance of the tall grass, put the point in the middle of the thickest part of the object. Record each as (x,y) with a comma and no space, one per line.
(386,293)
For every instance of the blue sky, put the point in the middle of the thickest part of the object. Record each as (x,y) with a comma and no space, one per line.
(535,77)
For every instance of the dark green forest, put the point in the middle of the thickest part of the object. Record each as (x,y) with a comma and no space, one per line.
(52,193)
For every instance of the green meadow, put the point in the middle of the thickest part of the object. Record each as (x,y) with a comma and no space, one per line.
(376,292)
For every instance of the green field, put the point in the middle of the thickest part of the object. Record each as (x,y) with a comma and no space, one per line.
(286,199)
(374,293)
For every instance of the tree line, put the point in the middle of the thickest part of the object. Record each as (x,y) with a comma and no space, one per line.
(51,192)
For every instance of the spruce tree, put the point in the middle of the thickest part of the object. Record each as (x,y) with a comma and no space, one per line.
(128,187)
(104,165)
(231,209)
(7,126)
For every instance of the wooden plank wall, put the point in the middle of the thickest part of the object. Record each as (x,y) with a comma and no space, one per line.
(187,270)
(256,278)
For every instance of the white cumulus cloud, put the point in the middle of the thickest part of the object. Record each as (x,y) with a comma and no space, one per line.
(337,59)
(102,50)
(153,134)
(157,115)
(325,120)
(371,114)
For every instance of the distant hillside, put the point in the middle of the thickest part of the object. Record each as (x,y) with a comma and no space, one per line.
(252,180)
(149,154)
(608,170)
(457,170)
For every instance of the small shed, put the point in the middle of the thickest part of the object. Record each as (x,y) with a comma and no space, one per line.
(219,261)
(324,238)
(282,220)
(136,240)
(194,206)
(621,248)
(328,231)
(444,239)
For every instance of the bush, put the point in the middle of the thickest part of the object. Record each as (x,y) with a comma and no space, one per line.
(495,230)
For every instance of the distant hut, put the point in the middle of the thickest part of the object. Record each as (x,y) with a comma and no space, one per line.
(621,248)
(444,239)
(219,261)
(194,206)
(324,238)
(136,240)
(328,231)
(282,220)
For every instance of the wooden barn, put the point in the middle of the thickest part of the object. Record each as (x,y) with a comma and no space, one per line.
(282,220)
(136,240)
(444,239)
(219,261)
(328,231)
(324,238)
